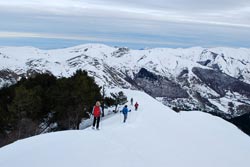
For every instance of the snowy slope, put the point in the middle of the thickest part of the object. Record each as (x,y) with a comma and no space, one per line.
(153,136)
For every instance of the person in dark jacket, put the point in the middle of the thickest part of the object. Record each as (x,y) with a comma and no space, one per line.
(125,113)
(97,111)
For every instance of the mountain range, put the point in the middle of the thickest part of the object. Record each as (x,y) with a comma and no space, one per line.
(214,80)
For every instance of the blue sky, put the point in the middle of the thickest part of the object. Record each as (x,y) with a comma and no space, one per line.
(133,23)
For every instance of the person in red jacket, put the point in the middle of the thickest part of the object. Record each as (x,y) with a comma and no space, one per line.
(136,106)
(97,111)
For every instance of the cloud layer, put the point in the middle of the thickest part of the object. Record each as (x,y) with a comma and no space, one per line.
(210,22)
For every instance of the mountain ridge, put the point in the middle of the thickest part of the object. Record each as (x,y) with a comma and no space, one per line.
(172,69)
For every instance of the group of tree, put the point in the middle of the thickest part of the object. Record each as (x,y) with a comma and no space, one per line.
(46,99)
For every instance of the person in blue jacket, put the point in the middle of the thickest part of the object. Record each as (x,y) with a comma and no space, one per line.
(125,112)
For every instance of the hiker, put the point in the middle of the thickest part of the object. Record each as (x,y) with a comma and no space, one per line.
(136,106)
(131,100)
(97,111)
(125,113)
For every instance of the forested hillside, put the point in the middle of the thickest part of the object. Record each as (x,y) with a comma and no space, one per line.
(43,102)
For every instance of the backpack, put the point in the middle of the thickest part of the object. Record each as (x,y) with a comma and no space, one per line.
(97,111)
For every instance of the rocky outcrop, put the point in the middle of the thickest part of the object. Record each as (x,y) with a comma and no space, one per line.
(221,82)
(159,86)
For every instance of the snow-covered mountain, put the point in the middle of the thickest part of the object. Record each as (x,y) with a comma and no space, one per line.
(95,57)
(153,136)
(214,80)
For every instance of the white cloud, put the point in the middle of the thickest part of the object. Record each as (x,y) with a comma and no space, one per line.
(6,34)
(173,22)
(230,13)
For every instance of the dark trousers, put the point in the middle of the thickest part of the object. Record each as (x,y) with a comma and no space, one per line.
(125,117)
(96,121)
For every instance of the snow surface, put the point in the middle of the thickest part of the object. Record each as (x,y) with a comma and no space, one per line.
(153,136)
